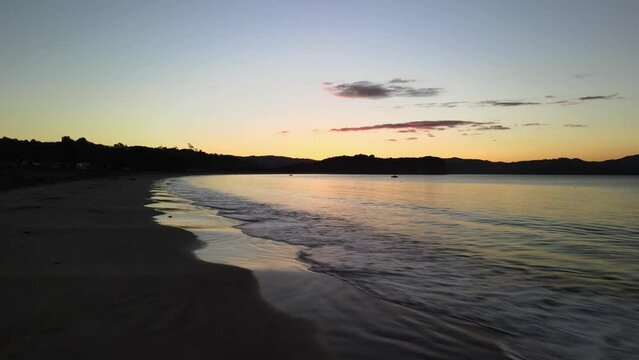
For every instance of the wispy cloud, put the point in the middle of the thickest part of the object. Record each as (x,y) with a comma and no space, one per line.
(575,125)
(564,102)
(506,103)
(534,124)
(371,90)
(450,104)
(400,81)
(498,103)
(393,140)
(283,132)
(412,138)
(600,97)
(524,102)
(426,126)
(581,76)
(407,131)
(492,127)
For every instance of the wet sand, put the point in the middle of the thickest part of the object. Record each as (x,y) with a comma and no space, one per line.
(86,273)
(353,324)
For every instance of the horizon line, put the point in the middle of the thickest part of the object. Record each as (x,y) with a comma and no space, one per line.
(191,148)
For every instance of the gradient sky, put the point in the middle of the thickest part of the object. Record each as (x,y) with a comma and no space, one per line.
(500,80)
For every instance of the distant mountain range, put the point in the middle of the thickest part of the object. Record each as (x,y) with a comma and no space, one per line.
(69,154)
(361,164)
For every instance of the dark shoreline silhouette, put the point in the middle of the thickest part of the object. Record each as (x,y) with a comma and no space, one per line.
(31,162)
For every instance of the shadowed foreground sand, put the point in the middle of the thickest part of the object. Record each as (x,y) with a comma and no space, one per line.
(86,273)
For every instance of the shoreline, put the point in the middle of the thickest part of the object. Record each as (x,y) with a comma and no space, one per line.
(87,273)
(354,324)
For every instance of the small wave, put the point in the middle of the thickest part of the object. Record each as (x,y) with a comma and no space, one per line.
(554,286)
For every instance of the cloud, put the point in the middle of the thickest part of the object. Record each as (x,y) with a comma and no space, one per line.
(362,89)
(370,90)
(283,132)
(581,76)
(549,100)
(564,102)
(600,97)
(534,124)
(407,131)
(426,126)
(492,127)
(501,103)
(450,104)
(412,138)
(393,140)
(400,81)
(407,91)
(505,103)
(511,103)
(575,125)
(413,125)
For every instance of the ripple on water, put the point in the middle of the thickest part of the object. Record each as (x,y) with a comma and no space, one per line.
(559,278)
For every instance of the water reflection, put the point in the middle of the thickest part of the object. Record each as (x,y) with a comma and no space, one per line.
(550,260)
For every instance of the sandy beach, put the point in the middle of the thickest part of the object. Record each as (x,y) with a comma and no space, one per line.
(353,324)
(86,273)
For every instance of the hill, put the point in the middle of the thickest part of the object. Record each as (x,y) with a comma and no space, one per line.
(81,155)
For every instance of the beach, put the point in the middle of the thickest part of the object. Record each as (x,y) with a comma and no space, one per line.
(427,266)
(353,324)
(306,267)
(86,272)
(319,180)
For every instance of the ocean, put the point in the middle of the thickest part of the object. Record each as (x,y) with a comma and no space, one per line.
(548,263)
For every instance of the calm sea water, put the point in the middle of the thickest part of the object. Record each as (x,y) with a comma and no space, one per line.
(549,262)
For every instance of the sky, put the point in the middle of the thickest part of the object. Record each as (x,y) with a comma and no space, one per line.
(499,80)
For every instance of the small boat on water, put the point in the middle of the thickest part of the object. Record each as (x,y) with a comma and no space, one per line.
(393,176)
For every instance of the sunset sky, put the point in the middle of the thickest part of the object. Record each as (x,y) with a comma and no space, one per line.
(499,80)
